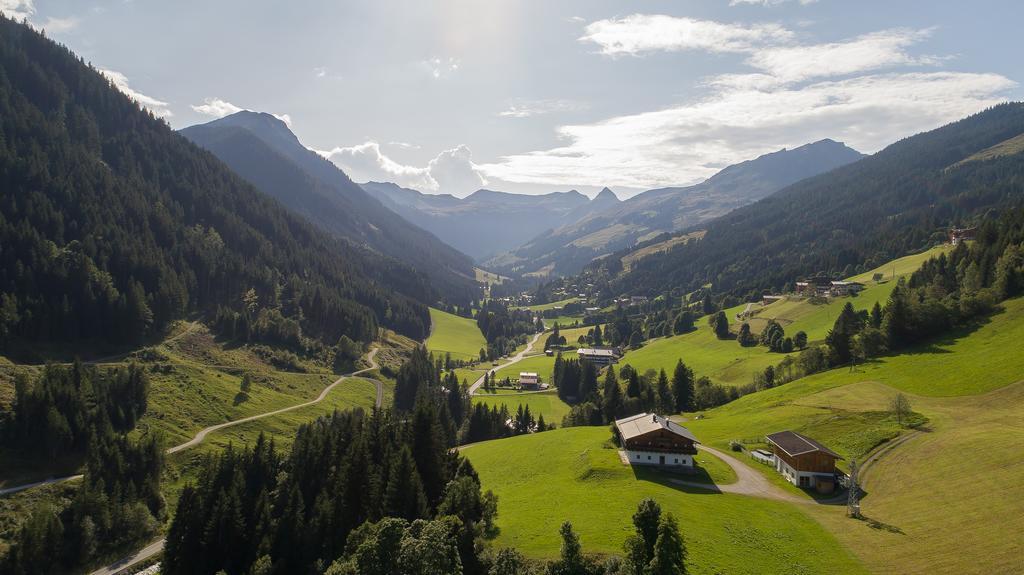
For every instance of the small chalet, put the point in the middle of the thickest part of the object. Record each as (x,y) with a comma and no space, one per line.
(529,380)
(844,288)
(803,461)
(650,439)
(598,356)
(957,235)
(817,286)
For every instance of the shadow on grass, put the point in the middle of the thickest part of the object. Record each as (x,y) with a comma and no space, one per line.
(880,526)
(697,481)
(240,398)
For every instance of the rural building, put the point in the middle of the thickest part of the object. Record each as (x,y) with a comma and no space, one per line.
(770,299)
(650,439)
(598,356)
(957,235)
(810,287)
(842,288)
(529,380)
(803,461)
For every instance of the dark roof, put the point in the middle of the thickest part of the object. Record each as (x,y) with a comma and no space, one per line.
(795,444)
(637,425)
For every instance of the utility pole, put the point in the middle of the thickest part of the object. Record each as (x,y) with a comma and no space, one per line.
(853,499)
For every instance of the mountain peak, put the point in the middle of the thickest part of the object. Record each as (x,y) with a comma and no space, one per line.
(606,195)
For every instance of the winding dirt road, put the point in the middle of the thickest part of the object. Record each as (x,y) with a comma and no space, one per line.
(201,435)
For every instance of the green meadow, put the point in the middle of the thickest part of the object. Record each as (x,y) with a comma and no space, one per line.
(456,335)
(573,474)
(546,403)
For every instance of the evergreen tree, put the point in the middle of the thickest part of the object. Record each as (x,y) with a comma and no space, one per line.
(840,338)
(682,388)
(611,396)
(669,556)
(405,497)
(665,400)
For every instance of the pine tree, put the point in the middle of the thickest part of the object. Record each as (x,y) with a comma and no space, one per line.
(669,557)
(404,496)
(665,401)
(682,388)
(611,396)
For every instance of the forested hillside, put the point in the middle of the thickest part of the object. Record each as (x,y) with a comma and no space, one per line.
(112,225)
(261,149)
(899,200)
(568,249)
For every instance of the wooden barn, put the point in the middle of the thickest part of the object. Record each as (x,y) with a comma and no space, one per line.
(803,461)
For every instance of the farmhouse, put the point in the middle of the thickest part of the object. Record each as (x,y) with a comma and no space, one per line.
(843,288)
(598,356)
(957,235)
(803,461)
(650,439)
(529,380)
(817,286)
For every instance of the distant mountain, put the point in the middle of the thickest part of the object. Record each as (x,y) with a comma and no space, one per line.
(486,222)
(901,200)
(565,250)
(112,225)
(261,149)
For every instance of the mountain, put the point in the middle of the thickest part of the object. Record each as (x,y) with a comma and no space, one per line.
(901,200)
(565,250)
(112,225)
(486,222)
(261,149)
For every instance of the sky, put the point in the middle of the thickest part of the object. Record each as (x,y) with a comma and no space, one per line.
(536,96)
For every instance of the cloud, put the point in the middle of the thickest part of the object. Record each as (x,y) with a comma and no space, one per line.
(58,25)
(528,108)
(687,143)
(216,107)
(641,33)
(159,108)
(452,171)
(320,72)
(219,108)
(18,9)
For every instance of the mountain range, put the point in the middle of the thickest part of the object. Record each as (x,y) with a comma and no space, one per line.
(263,150)
(487,222)
(565,250)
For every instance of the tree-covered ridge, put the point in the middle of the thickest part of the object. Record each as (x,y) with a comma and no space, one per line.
(900,200)
(112,225)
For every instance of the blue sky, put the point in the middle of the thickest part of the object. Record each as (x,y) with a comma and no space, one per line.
(539,95)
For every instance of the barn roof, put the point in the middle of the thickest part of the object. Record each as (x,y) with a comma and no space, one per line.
(637,425)
(795,444)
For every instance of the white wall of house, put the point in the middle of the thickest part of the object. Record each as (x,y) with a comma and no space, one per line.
(654,458)
(793,476)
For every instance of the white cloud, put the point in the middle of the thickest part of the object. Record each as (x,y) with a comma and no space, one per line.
(159,108)
(17,9)
(687,143)
(641,33)
(452,171)
(320,72)
(873,51)
(528,108)
(58,25)
(218,108)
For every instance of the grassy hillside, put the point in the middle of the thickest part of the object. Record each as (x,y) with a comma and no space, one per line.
(456,335)
(727,363)
(571,474)
(545,403)
(970,387)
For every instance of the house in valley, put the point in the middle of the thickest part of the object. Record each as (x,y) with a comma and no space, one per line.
(803,461)
(958,235)
(529,380)
(651,439)
(816,286)
(598,356)
(845,288)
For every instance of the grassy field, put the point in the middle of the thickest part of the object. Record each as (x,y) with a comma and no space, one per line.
(545,403)
(727,363)
(456,335)
(542,364)
(551,305)
(571,474)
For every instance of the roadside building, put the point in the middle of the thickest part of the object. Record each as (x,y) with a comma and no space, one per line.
(598,356)
(651,439)
(803,461)
(529,380)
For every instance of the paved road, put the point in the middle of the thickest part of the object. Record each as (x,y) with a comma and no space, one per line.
(748,481)
(512,360)
(201,436)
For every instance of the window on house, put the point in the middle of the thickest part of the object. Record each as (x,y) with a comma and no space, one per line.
(648,458)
